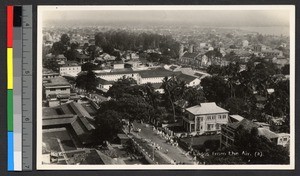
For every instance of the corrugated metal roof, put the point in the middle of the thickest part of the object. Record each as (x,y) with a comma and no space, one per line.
(237,117)
(267,133)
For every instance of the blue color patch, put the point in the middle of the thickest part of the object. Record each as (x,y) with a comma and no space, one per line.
(10,151)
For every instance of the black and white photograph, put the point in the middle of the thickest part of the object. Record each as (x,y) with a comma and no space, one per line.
(166,87)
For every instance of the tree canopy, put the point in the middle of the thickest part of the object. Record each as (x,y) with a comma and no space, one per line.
(86,81)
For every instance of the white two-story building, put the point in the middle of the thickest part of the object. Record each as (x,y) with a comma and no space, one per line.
(70,68)
(206,117)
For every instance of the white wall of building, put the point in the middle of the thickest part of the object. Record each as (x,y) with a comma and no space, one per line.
(207,122)
(69,70)
(283,139)
(152,80)
(57,90)
(193,83)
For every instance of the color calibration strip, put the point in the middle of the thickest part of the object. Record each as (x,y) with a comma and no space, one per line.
(10,127)
(19,87)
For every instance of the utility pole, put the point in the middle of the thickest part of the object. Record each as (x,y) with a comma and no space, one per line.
(153,152)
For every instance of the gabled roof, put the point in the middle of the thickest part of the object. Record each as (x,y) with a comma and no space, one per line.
(67,110)
(206,108)
(247,124)
(72,114)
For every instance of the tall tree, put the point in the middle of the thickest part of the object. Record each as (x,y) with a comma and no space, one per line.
(120,87)
(65,39)
(285,69)
(215,89)
(108,124)
(194,96)
(58,48)
(251,141)
(86,81)
(173,91)
(88,66)
(278,103)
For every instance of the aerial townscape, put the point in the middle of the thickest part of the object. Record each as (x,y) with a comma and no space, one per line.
(164,94)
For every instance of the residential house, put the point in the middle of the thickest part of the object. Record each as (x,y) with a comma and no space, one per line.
(283,139)
(230,130)
(206,117)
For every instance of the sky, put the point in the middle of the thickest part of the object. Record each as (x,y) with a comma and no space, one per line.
(213,18)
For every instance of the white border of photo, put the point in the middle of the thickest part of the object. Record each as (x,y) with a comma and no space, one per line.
(42,9)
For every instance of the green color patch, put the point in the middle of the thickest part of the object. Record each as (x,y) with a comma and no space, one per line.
(10,110)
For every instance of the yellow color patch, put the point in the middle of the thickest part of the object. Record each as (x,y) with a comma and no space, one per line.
(10,66)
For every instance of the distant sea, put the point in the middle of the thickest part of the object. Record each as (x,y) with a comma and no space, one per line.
(274,30)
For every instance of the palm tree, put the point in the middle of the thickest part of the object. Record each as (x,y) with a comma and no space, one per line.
(174,90)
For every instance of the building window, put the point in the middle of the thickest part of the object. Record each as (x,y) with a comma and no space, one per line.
(213,117)
(224,116)
(52,89)
(284,139)
(63,89)
(217,126)
(219,116)
(193,127)
(210,127)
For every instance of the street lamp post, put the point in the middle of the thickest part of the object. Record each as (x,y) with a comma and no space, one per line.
(153,152)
